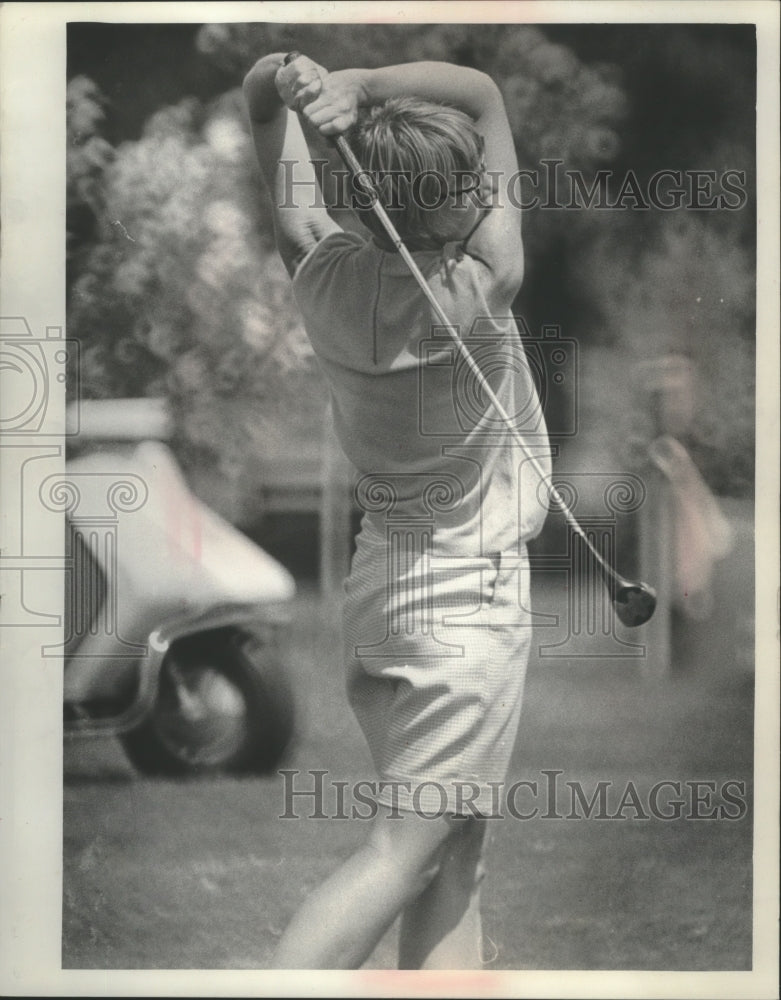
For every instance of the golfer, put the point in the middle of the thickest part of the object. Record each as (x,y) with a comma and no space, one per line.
(436,619)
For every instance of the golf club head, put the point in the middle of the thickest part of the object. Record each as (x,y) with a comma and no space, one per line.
(634,603)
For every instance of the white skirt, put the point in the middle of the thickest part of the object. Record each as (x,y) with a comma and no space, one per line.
(436,651)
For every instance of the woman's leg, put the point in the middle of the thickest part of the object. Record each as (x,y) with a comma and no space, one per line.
(341,922)
(441,929)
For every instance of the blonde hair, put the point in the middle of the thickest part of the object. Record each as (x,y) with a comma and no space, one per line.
(412,148)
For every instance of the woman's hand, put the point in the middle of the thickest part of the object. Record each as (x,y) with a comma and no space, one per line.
(299,82)
(329,102)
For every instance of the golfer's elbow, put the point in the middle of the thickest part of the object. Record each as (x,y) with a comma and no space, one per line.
(486,93)
(253,81)
(475,92)
(259,88)
(249,78)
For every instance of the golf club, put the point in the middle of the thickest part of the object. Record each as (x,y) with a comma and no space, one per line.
(634,603)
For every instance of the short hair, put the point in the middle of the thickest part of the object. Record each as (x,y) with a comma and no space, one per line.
(411,148)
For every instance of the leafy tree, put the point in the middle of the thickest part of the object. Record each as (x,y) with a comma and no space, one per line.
(88,155)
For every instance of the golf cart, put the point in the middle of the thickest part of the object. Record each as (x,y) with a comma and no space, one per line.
(174,617)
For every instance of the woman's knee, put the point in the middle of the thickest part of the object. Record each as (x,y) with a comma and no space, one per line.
(454,855)
(412,850)
(463,852)
(426,873)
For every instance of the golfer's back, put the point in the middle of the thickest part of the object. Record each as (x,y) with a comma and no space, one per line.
(407,410)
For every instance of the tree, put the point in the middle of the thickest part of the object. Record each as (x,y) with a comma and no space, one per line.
(88,156)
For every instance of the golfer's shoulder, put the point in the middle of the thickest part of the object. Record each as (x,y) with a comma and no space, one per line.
(327,253)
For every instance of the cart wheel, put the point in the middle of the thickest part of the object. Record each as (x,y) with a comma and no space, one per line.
(221,705)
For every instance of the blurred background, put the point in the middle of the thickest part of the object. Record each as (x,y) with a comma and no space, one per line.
(175,293)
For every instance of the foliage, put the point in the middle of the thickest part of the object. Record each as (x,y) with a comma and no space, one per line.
(88,156)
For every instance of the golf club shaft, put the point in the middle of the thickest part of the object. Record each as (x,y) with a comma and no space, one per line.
(351,161)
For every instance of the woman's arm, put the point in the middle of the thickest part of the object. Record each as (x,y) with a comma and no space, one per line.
(441,83)
(300,217)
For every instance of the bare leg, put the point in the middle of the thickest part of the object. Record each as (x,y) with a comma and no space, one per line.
(441,929)
(341,922)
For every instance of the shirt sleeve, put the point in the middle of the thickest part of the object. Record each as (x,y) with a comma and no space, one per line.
(317,270)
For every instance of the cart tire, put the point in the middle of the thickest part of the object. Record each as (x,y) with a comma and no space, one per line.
(223,704)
